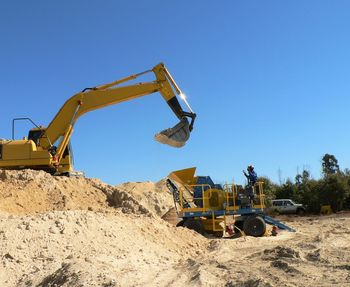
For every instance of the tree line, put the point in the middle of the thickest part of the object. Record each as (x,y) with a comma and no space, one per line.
(333,188)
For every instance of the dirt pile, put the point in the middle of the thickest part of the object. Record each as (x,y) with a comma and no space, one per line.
(65,246)
(154,196)
(29,191)
(58,231)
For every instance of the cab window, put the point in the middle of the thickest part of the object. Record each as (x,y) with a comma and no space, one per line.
(35,135)
(277,203)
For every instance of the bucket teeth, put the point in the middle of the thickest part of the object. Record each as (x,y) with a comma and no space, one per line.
(175,136)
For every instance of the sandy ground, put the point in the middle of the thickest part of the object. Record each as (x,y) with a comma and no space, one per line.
(57,231)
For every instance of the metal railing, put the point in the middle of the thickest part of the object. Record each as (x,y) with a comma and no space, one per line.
(230,203)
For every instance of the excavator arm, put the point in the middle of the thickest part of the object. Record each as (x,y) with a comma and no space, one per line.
(56,136)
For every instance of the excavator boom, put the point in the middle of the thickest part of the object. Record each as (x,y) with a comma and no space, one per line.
(47,148)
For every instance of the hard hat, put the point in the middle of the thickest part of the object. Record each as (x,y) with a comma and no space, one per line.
(250,167)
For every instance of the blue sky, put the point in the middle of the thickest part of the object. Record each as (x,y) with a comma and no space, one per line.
(269,81)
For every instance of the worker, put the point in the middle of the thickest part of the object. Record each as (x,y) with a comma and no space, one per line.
(252,179)
(274,231)
(251,176)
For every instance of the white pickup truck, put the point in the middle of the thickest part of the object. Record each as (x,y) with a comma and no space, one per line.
(287,206)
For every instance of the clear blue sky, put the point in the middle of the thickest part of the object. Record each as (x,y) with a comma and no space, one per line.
(269,81)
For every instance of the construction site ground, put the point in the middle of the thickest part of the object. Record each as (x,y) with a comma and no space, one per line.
(59,231)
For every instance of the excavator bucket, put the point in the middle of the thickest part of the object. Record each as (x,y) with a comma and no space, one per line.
(175,136)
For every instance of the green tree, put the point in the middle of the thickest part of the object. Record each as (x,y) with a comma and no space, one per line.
(335,189)
(286,190)
(302,178)
(310,195)
(329,165)
(302,187)
(346,172)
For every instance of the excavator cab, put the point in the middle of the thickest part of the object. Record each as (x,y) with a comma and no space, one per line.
(35,134)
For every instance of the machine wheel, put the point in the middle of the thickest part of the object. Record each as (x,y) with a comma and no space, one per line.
(300,211)
(238,226)
(180,224)
(254,226)
(194,224)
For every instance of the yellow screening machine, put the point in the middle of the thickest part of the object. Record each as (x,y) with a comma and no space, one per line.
(207,207)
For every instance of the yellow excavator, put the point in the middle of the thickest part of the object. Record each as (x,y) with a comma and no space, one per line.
(49,148)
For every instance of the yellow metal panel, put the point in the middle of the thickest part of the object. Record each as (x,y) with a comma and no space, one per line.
(42,154)
(19,149)
(212,225)
(25,163)
(326,209)
(23,154)
(183,176)
(214,199)
(65,165)
(193,209)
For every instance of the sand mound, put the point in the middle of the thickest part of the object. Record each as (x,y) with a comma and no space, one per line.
(29,191)
(57,244)
(154,196)
(58,231)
